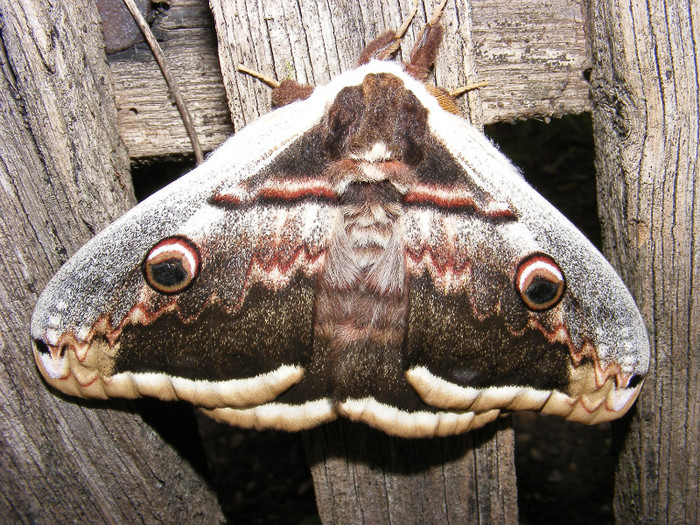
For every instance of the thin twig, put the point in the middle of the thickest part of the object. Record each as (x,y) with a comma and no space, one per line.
(169,79)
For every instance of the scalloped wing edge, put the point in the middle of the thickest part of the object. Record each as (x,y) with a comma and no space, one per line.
(73,378)
(604,404)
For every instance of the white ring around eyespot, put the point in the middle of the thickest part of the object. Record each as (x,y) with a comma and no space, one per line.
(177,246)
(534,266)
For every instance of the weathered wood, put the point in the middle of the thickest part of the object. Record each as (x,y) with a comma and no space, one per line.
(646,115)
(532,54)
(363,476)
(360,475)
(64,176)
(148,120)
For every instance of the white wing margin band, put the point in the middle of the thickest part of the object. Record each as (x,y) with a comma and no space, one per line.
(603,405)
(69,375)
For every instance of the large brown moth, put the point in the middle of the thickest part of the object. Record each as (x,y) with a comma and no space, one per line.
(361,251)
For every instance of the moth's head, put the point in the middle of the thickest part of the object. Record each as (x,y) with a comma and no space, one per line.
(377,120)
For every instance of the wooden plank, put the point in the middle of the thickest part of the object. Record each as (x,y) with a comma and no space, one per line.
(531,53)
(361,475)
(646,121)
(148,120)
(64,176)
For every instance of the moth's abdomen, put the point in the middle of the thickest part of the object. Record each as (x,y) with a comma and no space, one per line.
(362,301)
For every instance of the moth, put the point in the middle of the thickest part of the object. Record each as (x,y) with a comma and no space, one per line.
(361,251)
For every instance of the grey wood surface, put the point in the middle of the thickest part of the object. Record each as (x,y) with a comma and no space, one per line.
(63,176)
(364,476)
(646,115)
(149,122)
(532,54)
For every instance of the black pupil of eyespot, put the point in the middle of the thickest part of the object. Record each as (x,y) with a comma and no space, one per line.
(169,272)
(541,290)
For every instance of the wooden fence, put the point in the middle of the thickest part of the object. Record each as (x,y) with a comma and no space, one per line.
(67,112)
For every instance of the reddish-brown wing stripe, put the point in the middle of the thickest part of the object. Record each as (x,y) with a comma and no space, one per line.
(456,199)
(293,190)
(296,190)
(279,190)
(226,200)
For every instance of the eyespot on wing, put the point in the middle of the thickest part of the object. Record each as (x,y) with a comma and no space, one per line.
(540,282)
(172,265)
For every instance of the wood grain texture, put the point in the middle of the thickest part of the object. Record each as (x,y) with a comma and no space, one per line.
(64,176)
(646,117)
(532,54)
(361,475)
(148,120)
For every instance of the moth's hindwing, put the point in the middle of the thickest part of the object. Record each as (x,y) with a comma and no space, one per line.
(361,253)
